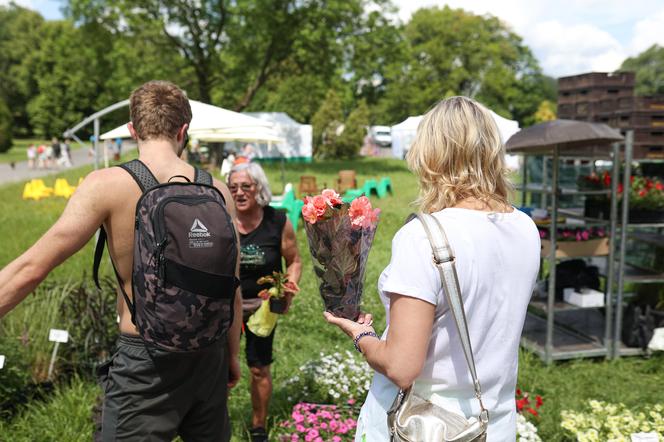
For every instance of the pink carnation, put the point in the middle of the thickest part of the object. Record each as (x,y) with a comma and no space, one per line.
(362,214)
(309,213)
(331,197)
(314,208)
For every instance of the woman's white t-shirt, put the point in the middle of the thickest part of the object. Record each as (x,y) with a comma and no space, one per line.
(497,260)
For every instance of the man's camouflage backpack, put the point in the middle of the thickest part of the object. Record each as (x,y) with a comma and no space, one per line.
(185,255)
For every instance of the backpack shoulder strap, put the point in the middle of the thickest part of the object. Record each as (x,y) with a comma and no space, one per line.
(99,251)
(202,177)
(141,174)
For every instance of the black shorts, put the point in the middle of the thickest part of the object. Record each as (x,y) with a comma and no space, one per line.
(157,395)
(258,349)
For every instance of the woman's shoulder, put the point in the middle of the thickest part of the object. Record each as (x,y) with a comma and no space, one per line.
(274,216)
(411,231)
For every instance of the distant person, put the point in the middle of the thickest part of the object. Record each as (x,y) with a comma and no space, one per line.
(268,244)
(41,156)
(150,392)
(32,156)
(49,155)
(227,165)
(118,149)
(249,151)
(66,153)
(57,149)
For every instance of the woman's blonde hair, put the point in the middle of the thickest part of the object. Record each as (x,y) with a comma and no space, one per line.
(457,154)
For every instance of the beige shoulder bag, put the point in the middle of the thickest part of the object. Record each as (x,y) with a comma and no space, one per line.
(413,419)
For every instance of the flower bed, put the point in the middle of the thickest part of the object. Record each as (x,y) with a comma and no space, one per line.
(612,422)
(318,423)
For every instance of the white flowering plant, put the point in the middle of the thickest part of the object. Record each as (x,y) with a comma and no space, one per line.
(608,422)
(528,409)
(335,378)
(526,431)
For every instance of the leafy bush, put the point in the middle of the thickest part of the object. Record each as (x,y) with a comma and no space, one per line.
(94,330)
(350,141)
(14,377)
(30,323)
(66,417)
(6,125)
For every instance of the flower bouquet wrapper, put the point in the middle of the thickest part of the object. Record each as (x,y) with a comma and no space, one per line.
(339,254)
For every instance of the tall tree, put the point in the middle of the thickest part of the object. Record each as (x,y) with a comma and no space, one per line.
(649,68)
(454,52)
(234,46)
(6,124)
(325,123)
(70,74)
(20,38)
(355,128)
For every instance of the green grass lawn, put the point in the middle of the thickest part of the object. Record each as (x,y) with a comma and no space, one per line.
(302,334)
(18,150)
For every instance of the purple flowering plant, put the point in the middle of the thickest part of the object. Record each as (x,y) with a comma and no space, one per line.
(574,234)
(319,423)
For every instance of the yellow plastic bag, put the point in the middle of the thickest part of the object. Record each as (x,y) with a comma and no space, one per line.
(263,321)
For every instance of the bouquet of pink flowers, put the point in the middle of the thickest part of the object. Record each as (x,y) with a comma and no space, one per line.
(340,236)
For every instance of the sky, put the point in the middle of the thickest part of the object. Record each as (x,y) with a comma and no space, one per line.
(568,37)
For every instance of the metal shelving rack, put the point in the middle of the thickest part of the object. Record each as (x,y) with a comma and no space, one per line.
(579,337)
(628,273)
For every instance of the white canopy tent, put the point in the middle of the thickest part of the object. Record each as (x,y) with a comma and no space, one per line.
(207,118)
(403,133)
(297,138)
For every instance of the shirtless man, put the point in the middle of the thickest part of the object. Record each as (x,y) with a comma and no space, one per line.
(145,399)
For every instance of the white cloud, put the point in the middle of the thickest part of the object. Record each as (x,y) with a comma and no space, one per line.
(571,49)
(647,32)
(570,36)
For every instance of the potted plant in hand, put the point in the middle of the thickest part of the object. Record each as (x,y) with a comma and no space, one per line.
(279,292)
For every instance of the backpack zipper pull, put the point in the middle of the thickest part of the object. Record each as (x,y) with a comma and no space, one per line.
(161,261)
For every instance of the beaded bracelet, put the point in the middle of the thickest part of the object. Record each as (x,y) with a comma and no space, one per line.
(356,341)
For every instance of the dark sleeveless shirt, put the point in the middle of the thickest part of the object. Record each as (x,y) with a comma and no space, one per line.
(260,251)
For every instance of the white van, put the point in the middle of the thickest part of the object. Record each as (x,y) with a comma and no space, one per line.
(381,135)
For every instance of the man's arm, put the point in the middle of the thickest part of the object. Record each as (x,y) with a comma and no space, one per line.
(84,213)
(235,331)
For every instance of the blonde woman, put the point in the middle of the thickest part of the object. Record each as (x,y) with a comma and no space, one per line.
(458,158)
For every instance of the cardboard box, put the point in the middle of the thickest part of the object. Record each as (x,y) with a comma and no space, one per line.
(568,249)
(585,298)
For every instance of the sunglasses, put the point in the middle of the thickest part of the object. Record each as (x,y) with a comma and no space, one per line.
(244,186)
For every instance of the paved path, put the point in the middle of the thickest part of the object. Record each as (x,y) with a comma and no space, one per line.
(80,157)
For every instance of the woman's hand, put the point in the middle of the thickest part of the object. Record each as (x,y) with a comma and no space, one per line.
(352,328)
(289,300)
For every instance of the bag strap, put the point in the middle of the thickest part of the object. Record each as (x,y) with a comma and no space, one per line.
(141,174)
(443,258)
(202,176)
(99,251)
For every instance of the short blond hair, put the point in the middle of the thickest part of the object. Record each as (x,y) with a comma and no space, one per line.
(457,154)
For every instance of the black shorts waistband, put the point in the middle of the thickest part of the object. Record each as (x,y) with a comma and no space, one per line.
(131,340)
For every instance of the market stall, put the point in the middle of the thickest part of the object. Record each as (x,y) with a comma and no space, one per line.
(566,324)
